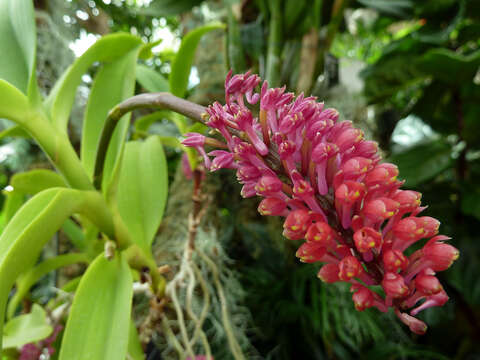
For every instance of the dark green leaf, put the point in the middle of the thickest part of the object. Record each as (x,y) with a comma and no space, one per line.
(449,66)
(423,162)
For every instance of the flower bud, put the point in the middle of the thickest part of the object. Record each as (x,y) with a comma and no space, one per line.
(362,298)
(296,224)
(310,252)
(427,284)
(380,209)
(382,174)
(322,233)
(366,239)
(415,228)
(268,185)
(223,159)
(349,268)
(440,255)
(286,149)
(329,273)
(409,200)
(350,192)
(394,260)
(272,207)
(394,285)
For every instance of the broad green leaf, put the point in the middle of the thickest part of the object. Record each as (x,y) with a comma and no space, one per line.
(423,162)
(151,80)
(183,61)
(28,328)
(113,83)
(105,50)
(135,350)
(18,45)
(34,181)
(31,277)
(449,66)
(34,225)
(13,201)
(142,189)
(14,105)
(99,321)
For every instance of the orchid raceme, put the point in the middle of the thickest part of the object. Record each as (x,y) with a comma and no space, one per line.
(327,181)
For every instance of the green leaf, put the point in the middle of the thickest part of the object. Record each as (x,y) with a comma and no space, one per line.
(141,199)
(13,104)
(18,45)
(75,234)
(34,181)
(31,277)
(13,201)
(423,162)
(99,321)
(28,328)
(135,350)
(14,131)
(106,50)
(449,66)
(151,80)
(113,83)
(34,225)
(182,63)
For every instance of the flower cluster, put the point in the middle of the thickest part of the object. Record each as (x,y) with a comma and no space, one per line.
(329,184)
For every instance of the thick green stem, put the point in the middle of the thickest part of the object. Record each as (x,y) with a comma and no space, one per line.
(60,151)
(138,259)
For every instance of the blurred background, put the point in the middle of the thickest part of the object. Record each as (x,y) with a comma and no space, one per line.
(406,72)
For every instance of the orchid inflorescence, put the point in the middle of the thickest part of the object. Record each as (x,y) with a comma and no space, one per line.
(329,184)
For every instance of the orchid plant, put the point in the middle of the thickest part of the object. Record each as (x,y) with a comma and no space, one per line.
(319,174)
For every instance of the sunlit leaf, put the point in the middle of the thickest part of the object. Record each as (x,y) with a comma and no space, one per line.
(106,50)
(34,225)
(13,104)
(28,328)
(135,350)
(99,330)
(183,61)
(18,45)
(34,181)
(142,189)
(114,82)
